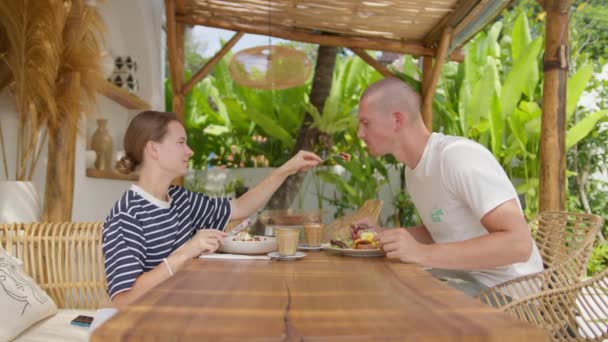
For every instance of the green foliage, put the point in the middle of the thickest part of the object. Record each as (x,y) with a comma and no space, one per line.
(599,260)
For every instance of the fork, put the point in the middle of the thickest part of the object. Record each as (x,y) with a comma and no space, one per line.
(342,155)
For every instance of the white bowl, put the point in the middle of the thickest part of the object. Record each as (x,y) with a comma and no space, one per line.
(266,245)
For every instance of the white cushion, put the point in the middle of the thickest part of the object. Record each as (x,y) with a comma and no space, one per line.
(22,301)
(57,328)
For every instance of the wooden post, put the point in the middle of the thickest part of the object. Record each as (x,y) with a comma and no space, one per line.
(211,63)
(59,191)
(371,61)
(175,51)
(553,123)
(429,91)
(427,72)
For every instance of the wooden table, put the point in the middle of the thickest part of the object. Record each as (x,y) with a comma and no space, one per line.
(319,298)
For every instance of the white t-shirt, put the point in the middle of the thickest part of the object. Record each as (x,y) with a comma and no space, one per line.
(455,184)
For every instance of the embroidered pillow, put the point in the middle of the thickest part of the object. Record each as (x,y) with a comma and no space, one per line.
(22,301)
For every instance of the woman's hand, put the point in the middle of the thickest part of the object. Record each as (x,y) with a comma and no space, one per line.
(302,161)
(204,241)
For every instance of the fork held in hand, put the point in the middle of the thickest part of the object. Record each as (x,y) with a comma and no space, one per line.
(342,155)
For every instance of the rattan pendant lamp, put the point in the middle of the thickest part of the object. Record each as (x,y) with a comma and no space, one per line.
(270,66)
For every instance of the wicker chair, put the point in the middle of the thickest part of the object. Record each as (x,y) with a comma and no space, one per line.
(340,228)
(565,241)
(586,318)
(65,259)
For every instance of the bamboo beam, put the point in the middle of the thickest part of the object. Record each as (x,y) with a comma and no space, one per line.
(429,91)
(367,43)
(553,121)
(211,63)
(372,62)
(59,190)
(175,50)
(463,9)
(427,73)
(180,6)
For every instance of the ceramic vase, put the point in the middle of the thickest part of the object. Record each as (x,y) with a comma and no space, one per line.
(101,143)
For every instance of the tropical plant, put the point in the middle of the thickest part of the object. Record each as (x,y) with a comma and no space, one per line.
(223,120)
(493,98)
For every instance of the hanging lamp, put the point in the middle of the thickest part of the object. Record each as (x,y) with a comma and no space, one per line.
(270,66)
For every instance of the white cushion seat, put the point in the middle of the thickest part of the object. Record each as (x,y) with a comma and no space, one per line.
(57,328)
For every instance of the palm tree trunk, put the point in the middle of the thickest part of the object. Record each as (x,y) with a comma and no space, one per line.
(309,137)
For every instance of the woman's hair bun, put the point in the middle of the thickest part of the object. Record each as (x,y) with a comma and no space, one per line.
(125,165)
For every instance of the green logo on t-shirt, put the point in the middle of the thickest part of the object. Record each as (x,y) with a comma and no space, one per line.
(436,214)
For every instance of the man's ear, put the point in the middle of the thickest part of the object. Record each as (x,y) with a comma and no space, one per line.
(399,119)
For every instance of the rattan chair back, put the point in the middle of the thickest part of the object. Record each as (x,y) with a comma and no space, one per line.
(65,259)
(584,319)
(565,242)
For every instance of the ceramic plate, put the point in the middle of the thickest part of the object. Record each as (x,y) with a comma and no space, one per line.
(276,255)
(265,245)
(310,248)
(353,252)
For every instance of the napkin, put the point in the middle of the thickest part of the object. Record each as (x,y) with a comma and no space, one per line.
(234,256)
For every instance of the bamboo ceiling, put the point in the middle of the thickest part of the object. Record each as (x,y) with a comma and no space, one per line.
(406,26)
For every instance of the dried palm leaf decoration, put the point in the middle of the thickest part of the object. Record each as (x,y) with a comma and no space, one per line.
(47,41)
(34,37)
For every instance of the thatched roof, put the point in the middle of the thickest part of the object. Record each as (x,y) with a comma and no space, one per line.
(406,26)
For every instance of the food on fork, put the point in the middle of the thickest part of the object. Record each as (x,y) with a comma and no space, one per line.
(345,156)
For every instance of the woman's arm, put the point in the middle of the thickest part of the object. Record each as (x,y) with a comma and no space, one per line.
(148,280)
(206,240)
(255,198)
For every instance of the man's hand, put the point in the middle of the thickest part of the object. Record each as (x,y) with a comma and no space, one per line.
(400,244)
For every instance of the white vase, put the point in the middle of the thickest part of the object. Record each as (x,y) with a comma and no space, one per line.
(19,202)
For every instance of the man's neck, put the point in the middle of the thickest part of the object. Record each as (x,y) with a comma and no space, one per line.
(412,147)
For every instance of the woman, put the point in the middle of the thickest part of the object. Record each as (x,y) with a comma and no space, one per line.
(156,227)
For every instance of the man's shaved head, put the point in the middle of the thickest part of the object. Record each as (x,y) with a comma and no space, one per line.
(391,95)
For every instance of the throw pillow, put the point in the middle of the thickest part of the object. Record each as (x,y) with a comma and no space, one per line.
(22,301)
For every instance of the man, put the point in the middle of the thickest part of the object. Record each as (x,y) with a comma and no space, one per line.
(471,216)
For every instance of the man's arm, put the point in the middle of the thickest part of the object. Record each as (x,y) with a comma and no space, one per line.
(421,234)
(509,241)
(255,198)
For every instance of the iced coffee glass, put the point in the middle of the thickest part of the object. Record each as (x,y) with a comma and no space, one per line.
(287,240)
(313,233)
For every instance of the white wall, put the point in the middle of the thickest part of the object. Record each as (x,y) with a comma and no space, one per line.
(134,28)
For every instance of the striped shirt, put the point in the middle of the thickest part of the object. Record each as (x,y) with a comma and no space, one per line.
(141,231)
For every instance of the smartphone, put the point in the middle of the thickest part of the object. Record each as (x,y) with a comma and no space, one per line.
(83,321)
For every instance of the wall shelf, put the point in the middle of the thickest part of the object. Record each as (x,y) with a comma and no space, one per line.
(123,97)
(113,174)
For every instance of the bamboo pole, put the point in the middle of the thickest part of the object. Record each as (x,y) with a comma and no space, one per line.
(375,43)
(175,50)
(427,73)
(553,122)
(429,91)
(59,191)
(372,62)
(211,63)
